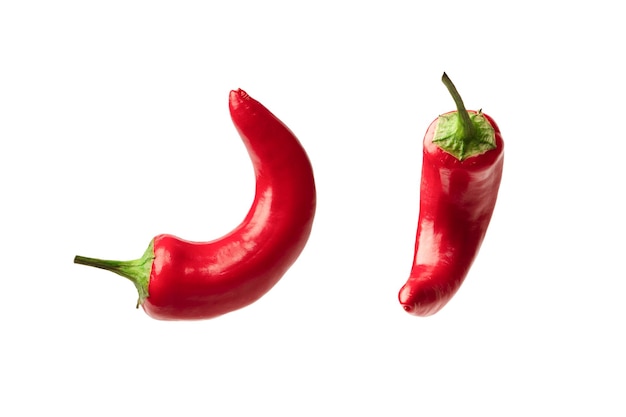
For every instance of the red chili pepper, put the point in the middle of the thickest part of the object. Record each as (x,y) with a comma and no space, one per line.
(461,173)
(181,280)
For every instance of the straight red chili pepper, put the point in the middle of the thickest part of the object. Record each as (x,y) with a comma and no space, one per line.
(182,280)
(461,173)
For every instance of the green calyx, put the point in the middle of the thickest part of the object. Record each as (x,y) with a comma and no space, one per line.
(463,134)
(138,271)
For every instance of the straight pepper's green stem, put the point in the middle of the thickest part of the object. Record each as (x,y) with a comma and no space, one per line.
(466,122)
(463,134)
(137,271)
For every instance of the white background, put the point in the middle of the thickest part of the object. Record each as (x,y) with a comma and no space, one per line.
(114,127)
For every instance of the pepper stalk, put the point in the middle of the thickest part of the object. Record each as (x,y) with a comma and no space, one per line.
(463,134)
(137,271)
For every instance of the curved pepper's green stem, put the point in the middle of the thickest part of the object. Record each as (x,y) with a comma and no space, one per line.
(138,270)
(463,134)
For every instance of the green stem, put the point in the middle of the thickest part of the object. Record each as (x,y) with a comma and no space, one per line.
(466,122)
(137,271)
(463,134)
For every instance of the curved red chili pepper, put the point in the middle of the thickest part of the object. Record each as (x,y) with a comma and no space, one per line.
(461,173)
(182,280)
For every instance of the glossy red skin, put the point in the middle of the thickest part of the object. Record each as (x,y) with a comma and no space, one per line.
(192,280)
(457,199)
